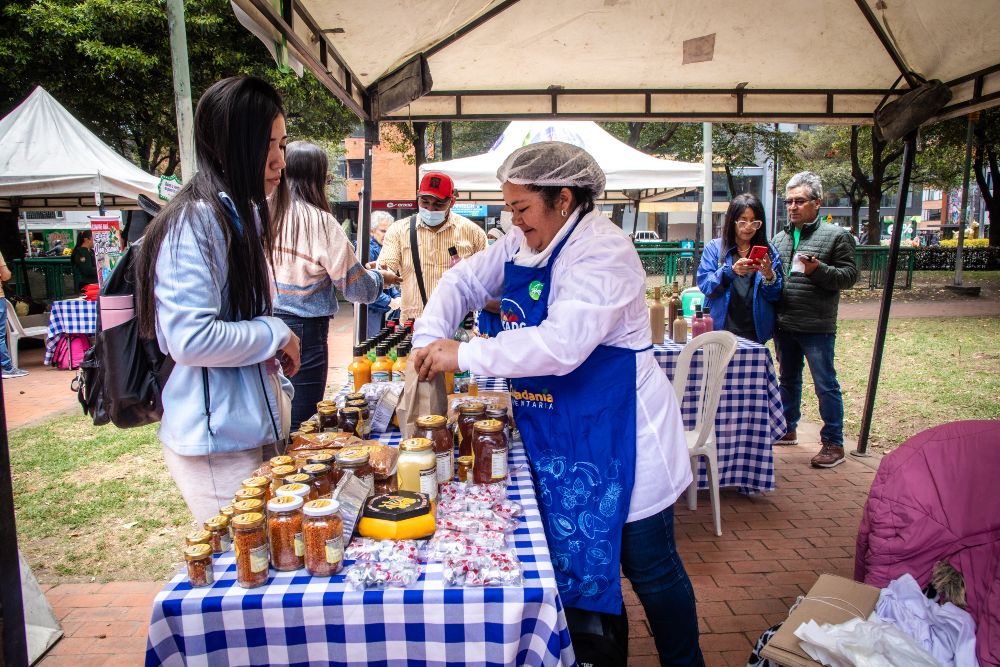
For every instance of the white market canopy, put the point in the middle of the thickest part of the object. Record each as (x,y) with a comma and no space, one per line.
(625,167)
(816,61)
(50,161)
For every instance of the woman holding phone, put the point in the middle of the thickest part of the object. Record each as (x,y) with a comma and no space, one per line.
(740,273)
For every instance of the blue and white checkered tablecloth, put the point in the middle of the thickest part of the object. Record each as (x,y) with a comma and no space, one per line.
(296,619)
(69,317)
(749,419)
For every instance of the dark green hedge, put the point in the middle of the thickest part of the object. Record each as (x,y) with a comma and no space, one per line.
(936,258)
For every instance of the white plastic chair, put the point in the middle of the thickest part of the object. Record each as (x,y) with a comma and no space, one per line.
(718,348)
(16,331)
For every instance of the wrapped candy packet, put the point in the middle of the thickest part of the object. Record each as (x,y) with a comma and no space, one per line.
(368,550)
(507,509)
(449,542)
(501,568)
(474,522)
(391,574)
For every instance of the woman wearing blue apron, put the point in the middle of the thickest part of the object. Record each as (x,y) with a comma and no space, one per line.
(596,413)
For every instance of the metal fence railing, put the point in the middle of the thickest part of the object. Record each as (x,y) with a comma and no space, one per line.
(669,260)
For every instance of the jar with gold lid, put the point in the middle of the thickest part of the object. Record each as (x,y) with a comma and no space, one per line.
(280,461)
(250,547)
(303,478)
(489,452)
(249,494)
(260,482)
(435,429)
(465,468)
(218,526)
(321,478)
(355,396)
(198,537)
(468,414)
(228,512)
(199,565)
(362,406)
(246,507)
(328,420)
(323,535)
(416,468)
(294,489)
(357,460)
(351,421)
(325,404)
(278,475)
(284,528)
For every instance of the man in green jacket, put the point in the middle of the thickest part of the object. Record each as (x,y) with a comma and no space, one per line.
(819,260)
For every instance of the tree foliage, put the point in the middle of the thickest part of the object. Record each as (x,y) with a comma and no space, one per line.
(108,63)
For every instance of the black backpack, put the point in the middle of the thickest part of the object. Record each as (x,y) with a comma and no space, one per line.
(122,376)
(599,640)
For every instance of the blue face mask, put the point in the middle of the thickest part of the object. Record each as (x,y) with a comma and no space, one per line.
(432,218)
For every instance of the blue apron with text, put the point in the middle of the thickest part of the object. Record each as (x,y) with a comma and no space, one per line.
(579,432)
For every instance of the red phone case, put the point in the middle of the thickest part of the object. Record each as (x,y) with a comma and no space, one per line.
(757,253)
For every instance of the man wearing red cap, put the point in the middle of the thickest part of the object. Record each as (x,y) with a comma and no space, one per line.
(436,228)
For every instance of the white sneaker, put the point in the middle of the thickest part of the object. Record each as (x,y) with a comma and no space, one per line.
(15,373)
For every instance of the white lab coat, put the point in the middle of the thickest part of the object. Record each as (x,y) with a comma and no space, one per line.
(597,297)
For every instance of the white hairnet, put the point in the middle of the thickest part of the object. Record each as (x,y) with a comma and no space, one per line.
(553,163)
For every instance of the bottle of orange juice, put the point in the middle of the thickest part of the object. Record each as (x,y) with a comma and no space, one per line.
(399,367)
(382,368)
(359,372)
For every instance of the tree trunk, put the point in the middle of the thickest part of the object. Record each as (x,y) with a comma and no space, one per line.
(730,181)
(446,140)
(986,158)
(419,148)
(634,132)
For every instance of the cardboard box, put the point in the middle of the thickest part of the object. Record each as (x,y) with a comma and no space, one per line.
(832,599)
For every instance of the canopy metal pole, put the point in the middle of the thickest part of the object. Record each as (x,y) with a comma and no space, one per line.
(706,211)
(909,150)
(364,226)
(182,87)
(969,130)
(15,643)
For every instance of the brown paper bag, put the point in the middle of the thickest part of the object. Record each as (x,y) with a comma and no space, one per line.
(420,398)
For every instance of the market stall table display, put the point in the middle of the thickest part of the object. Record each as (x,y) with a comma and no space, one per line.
(749,419)
(71,316)
(296,619)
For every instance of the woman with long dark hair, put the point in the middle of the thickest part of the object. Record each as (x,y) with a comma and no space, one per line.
(204,292)
(312,256)
(740,291)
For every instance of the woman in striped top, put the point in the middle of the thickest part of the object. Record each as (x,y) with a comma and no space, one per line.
(312,256)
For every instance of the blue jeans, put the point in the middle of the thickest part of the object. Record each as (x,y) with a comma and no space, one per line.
(310,381)
(651,563)
(5,360)
(792,348)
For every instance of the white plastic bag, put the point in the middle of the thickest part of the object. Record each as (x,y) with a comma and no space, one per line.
(862,643)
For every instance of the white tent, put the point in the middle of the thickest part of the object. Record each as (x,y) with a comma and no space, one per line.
(49,160)
(625,167)
(770,60)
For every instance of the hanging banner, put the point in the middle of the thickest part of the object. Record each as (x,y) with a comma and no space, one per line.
(107,235)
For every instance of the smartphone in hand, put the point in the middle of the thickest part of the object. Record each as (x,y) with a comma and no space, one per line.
(757,253)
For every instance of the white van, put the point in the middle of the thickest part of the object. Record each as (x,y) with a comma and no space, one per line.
(646,236)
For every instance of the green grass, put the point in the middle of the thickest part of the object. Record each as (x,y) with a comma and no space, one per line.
(933,371)
(95,501)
